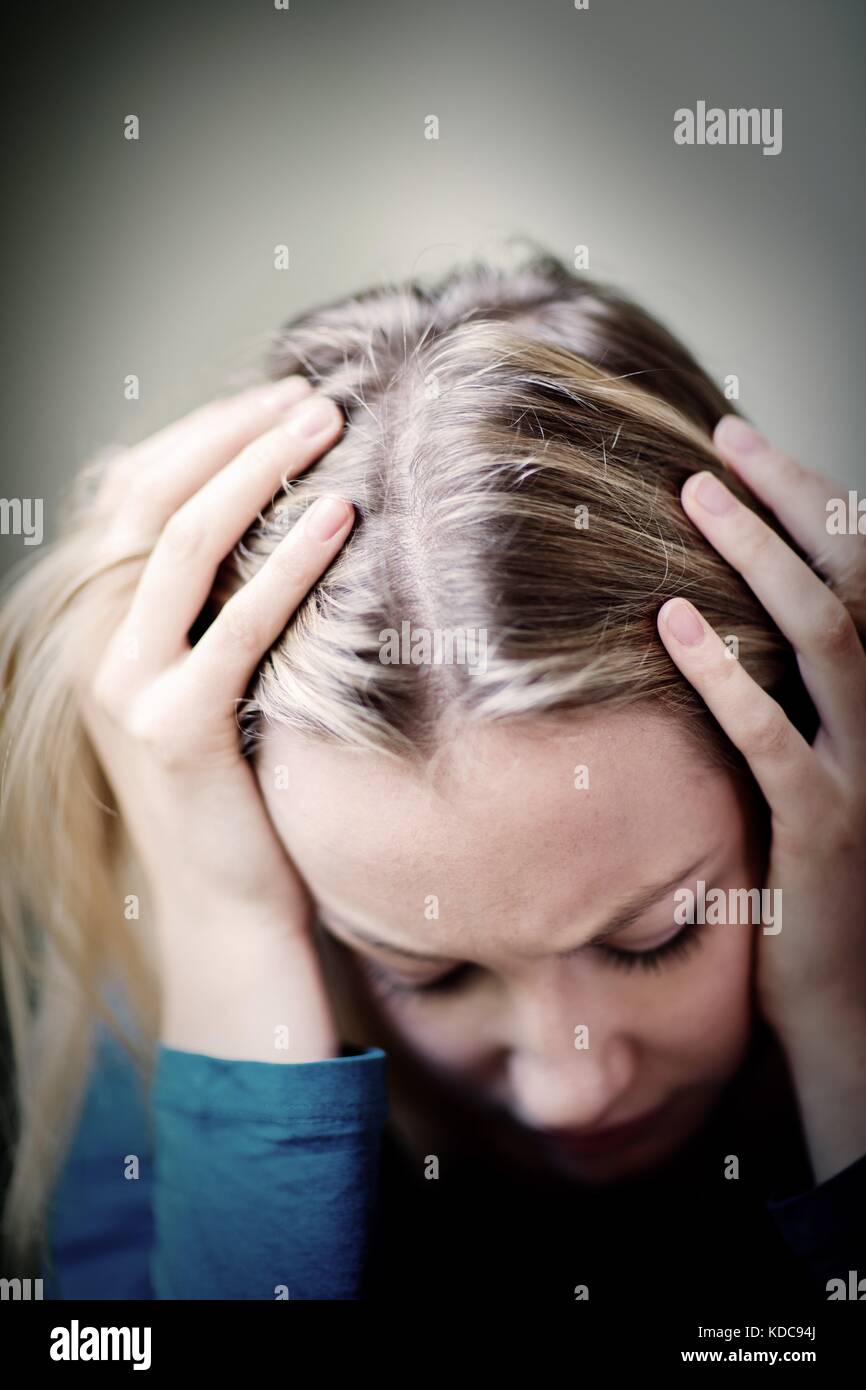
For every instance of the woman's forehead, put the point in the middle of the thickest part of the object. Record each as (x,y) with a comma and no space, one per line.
(514,828)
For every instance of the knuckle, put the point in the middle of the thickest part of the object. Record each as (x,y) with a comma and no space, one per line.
(267,449)
(242,625)
(768,735)
(758,542)
(725,670)
(182,535)
(156,728)
(290,564)
(789,471)
(835,634)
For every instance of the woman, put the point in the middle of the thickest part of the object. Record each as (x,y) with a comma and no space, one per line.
(435,715)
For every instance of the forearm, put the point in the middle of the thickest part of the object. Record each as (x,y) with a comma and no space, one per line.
(828,1071)
(246,991)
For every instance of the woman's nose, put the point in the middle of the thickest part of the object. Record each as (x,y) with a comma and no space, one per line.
(567,1073)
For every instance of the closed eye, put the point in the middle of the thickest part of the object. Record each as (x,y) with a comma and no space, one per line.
(387,984)
(675,948)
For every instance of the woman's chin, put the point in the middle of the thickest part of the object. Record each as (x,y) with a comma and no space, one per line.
(615,1165)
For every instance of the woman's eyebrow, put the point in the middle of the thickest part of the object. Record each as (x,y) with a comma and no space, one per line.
(641,902)
(630,910)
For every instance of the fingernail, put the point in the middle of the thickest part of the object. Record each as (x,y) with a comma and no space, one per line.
(326,516)
(312,416)
(713,495)
(683,622)
(740,436)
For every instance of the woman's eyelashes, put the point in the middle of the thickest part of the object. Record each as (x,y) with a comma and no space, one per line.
(387,985)
(656,958)
(675,948)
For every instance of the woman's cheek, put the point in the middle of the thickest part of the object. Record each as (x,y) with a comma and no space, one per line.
(704,1012)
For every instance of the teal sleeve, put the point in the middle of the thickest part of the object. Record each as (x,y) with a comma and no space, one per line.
(265,1175)
(223,1180)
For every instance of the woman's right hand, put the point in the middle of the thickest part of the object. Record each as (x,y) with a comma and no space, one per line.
(231,914)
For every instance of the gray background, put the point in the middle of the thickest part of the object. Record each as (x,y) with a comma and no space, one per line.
(307,127)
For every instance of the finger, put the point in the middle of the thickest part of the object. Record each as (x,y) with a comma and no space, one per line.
(815,622)
(157,476)
(798,497)
(180,572)
(783,763)
(221,663)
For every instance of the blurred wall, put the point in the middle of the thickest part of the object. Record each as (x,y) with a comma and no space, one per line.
(306,126)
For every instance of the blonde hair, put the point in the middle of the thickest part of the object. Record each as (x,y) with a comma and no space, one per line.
(481,413)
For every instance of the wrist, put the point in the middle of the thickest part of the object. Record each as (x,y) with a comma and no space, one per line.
(827,1064)
(248,991)
(828,1035)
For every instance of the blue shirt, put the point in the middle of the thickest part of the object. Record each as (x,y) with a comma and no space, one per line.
(231,1180)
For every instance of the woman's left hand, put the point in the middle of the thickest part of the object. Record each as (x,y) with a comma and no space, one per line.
(812,973)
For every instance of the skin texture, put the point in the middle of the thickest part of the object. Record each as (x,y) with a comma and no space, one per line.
(525,866)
